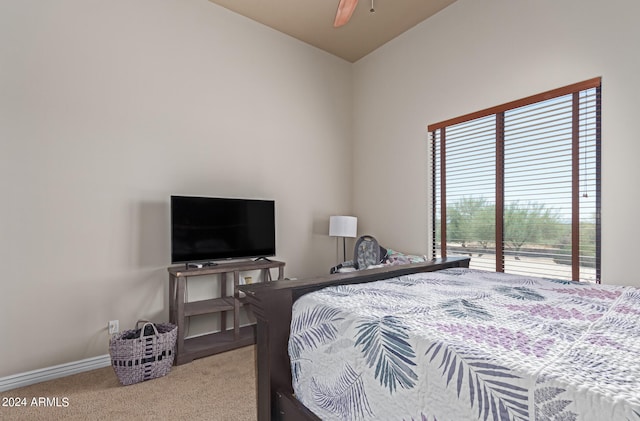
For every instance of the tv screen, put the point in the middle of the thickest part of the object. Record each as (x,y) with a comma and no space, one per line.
(209,228)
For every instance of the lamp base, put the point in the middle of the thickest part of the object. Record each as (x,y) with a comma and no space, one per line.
(344,249)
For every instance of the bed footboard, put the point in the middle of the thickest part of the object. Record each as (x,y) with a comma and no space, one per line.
(272,302)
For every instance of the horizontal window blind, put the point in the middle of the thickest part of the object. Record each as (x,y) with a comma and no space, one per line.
(517,187)
(470,190)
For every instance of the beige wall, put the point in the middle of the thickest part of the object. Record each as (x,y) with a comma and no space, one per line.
(108,108)
(477,54)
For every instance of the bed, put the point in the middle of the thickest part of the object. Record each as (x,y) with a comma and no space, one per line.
(438,341)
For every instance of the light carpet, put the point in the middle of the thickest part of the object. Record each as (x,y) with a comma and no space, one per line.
(219,387)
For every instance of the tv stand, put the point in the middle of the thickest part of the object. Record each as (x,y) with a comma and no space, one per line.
(257,259)
(188,349)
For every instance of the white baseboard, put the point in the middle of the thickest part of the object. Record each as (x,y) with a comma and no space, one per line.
(55,372)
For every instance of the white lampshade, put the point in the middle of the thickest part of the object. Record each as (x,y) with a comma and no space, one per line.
(343,226)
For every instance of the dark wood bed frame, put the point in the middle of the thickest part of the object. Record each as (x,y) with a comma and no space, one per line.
(271,302)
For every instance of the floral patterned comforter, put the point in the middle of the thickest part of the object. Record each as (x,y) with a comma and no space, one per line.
(464,344)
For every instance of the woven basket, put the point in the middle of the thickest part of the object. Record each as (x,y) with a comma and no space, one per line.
(136,357)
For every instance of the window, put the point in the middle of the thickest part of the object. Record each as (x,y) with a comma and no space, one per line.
(517,187)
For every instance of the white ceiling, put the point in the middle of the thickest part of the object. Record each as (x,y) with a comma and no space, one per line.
(311,21)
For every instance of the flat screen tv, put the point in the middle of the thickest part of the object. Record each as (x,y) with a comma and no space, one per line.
(211,228)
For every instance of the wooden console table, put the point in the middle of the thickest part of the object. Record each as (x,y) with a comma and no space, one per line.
(187,349)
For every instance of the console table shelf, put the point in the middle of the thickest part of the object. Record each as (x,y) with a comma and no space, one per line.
(214,305)
(187,349)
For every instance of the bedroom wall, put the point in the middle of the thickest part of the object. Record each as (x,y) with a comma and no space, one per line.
(108,108)
(477,54)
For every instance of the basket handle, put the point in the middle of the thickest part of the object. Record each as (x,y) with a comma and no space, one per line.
(146,322)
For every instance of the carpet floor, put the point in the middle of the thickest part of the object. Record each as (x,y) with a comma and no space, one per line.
(219,387)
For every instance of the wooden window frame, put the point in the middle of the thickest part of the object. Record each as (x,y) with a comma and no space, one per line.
(499,113)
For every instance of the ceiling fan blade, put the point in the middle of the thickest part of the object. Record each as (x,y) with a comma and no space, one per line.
(345,10)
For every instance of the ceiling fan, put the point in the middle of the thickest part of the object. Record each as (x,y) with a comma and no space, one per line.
(345,10)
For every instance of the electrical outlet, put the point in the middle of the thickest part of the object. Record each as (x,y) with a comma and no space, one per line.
(114,326)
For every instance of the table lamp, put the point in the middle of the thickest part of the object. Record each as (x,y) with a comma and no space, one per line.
(343,226)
